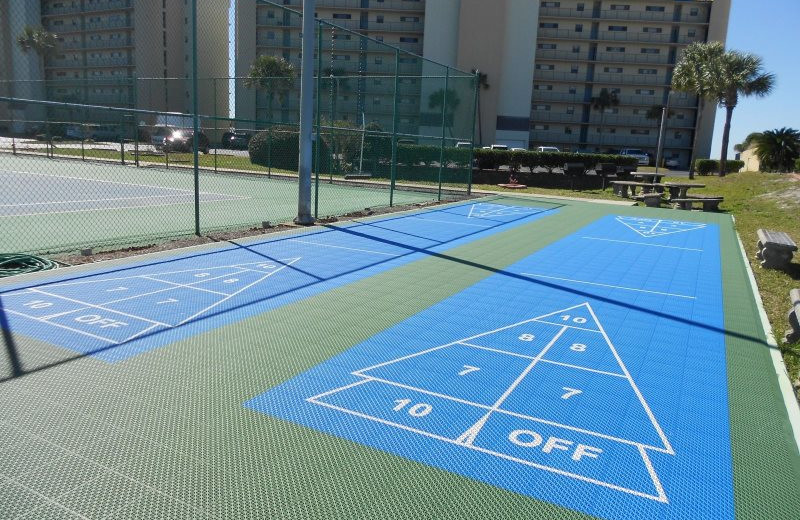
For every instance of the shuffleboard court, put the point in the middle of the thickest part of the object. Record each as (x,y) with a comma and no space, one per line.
(496,358)
(114,314)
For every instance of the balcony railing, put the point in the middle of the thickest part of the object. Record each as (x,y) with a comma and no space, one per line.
(642,58)
(110,5)
(626,36)
(552,54)
(649,16)
(677,101)
(544,137)
(564,13)
(393,5)
(395,26)
(109,62)
(547,32)
(559,76)
(542,116)
(98,44)
(630,79)
(544,95)
(265,21)
(108,24)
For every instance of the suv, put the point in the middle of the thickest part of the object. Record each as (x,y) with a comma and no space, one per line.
(641,156)
(547,149)
(236,139)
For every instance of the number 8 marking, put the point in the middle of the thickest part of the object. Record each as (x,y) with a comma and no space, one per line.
(578,347)
(527,337)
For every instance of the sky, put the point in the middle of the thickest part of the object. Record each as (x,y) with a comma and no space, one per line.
(768,28)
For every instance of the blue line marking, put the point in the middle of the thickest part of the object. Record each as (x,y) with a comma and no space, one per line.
(598,398)
(115,313)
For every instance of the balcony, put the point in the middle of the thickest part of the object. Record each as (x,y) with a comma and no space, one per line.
(552,54)
(544,95)
(395,26)
(647,16)
(559,76)
(641,58)
(109,5)
(265,21)
(611,119)
(339,44)
(389,5)
(98,44)
(110,62)
(630,79)
(69,64)
(559,12)
(543,116)
(109,24)
(625,36)
(545,137)
(545,32)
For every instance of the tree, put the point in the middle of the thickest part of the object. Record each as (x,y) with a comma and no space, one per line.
(273,75)
(603,102)
(777,149)
(335,81)
(343,138)
(710,72)
(483,84)
(437,99)
(748,141)
(38,40)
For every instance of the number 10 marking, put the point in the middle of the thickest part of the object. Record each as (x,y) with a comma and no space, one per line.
(570,392)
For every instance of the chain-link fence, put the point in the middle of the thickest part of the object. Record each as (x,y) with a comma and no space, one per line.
(97,150)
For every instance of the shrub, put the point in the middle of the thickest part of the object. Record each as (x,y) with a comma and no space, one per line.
(494,159)
(797,165)
(282,150)
(710,166)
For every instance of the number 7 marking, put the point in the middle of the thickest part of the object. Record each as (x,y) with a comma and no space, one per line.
(570,392)
(468,369)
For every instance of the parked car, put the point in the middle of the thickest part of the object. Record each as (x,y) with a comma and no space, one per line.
(236,140)
(181,140)
(158,135)
(463,144)
(672,163)
(79,132)
(547,149)
(106,133)
(642,157)
(496,147)
(519,149)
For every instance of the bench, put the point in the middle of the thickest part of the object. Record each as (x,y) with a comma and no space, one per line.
(605,170)
(574,170)
(775,249)
(621,188)
(793,334)
(651,200)
(349,176)
(709,203)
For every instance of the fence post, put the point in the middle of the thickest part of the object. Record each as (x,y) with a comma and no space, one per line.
(394,126)
(444,124)
(135,124)
(318,143)
(216,129)
(472,143)
(195,123)
(13,133)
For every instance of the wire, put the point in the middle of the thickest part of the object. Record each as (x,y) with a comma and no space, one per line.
(14,264)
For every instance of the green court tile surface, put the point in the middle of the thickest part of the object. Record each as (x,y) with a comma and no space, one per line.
(165,434)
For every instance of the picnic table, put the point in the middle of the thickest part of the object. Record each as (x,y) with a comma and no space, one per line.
(679,190)
(621,188)
(649,177)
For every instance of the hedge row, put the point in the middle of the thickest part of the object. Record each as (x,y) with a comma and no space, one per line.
(709,166)
(279,148)
(494,159)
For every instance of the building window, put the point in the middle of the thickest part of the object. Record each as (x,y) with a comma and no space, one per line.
(691,33)
(620,7)
(615,49)
(613,70)
(620,28)
(409,18)
(651,29)
(651,72)
(340,57)
(541,127)
(578,27)
(615,90)
(574,69)
(576,48)
(639,131)
(651,51)
(570,110)
(579,7)
(551,4)
(645,92)
(545,108)
(546,46)
(568,130)
(543,87)
(573,90)
(545,66)
(548,25)
(656,8)
(694,11)
(342,16)
(408,39)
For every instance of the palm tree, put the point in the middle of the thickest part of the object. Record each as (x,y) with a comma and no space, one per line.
(748,141)
(437,99)
(777,149)
(483,84)
(603,102)
(711,72)
(337,83)
(38,40)
(273,75)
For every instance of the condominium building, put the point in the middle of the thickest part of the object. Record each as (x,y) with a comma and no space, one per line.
(546,64)
(116,52)
(263,29)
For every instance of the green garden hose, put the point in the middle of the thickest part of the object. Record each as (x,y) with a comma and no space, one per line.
(13,264)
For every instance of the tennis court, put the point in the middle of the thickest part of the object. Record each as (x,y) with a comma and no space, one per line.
(493,358)
(61,204)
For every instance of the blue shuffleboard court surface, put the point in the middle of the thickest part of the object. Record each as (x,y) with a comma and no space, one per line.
(116,312)
(590,374)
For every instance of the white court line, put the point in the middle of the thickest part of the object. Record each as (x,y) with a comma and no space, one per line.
(643,244)
(583,368)
(24,204)
(100,307)
(342,247)
(223,300)
(496,350)
(468,437)
(449,222)
(533,275)
(647,410)
(653,475)
(489,452)
(41,320)
(112,182)
(231,198)
(487,407)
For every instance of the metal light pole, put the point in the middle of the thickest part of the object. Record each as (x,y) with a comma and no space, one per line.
(306,117)
(662,131)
